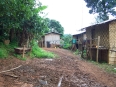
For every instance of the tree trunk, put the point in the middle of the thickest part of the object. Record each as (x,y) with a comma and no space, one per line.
(11,35)
(23,38)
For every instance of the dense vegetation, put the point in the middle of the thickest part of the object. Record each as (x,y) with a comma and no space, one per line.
(20,22)
(54,26)
(67,41)
(103,8)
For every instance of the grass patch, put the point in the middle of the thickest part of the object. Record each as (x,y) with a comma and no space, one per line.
(40,53)
(105,66)
(7,50)
(3,51)
(20,57)
(77,52)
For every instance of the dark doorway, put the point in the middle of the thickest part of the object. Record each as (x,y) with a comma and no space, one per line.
(48,44)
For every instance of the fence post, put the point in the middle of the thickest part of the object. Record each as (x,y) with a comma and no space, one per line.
(98,48)
(23,51)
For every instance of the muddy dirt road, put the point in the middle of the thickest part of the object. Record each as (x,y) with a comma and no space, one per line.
(66,70)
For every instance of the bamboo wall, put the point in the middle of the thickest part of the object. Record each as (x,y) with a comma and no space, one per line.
(112,41)
(103,32)
(100,30)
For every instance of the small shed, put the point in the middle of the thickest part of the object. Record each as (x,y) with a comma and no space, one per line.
(81,38)
(107,44)
(51,39)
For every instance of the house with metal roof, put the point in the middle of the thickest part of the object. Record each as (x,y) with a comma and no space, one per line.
(51,39)
(107,43)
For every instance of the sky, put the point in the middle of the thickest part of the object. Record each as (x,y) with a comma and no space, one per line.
(72,14)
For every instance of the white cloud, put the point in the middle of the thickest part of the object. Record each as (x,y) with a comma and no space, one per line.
(72,14)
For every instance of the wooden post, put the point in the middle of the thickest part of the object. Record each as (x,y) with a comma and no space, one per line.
(90,48)
(23,51)
(97,48)
(86,48)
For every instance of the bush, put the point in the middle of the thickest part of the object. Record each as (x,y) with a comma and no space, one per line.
(67,41)
(3,53)
(67,46)
(40,53)
(5,50)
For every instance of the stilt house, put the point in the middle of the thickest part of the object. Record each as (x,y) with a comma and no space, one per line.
(106,45)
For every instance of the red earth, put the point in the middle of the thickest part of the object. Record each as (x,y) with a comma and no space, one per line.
(66,70)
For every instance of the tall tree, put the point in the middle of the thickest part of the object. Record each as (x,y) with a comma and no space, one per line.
(54,25)
(104,8)
(21,17)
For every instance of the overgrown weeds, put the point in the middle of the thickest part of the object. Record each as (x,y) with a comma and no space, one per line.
(107,67)
(4,52)
(77,52)
(39,52)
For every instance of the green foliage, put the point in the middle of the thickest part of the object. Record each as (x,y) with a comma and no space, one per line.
(6,50)
(102,7)
(76,52)
(40,53)
(67,46)
(20,57)
(55,26)
(3,53)
(21,15)
(67,41)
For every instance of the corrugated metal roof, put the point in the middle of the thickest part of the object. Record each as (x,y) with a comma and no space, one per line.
(79,33)
(107,21)
(53,32)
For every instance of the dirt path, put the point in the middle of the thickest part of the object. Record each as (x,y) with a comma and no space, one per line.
(67,70)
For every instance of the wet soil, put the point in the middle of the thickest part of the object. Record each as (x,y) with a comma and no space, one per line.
(66,70)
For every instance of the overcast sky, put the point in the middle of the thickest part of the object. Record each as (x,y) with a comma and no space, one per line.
(72,14)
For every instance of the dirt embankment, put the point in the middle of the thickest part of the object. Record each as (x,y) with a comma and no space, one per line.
(67,70)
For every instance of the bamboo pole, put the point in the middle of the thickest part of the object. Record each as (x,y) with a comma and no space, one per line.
(60,81)
(97,48)
(23,51)
(11,69)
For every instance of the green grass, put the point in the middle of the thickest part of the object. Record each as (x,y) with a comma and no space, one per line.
(77,52)
(105,66)
(37,52)
(3,51)
(20,57)
(6,50)
(67,46)
(40,53)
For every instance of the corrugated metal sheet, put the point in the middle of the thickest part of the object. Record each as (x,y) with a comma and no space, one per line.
(99,23)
